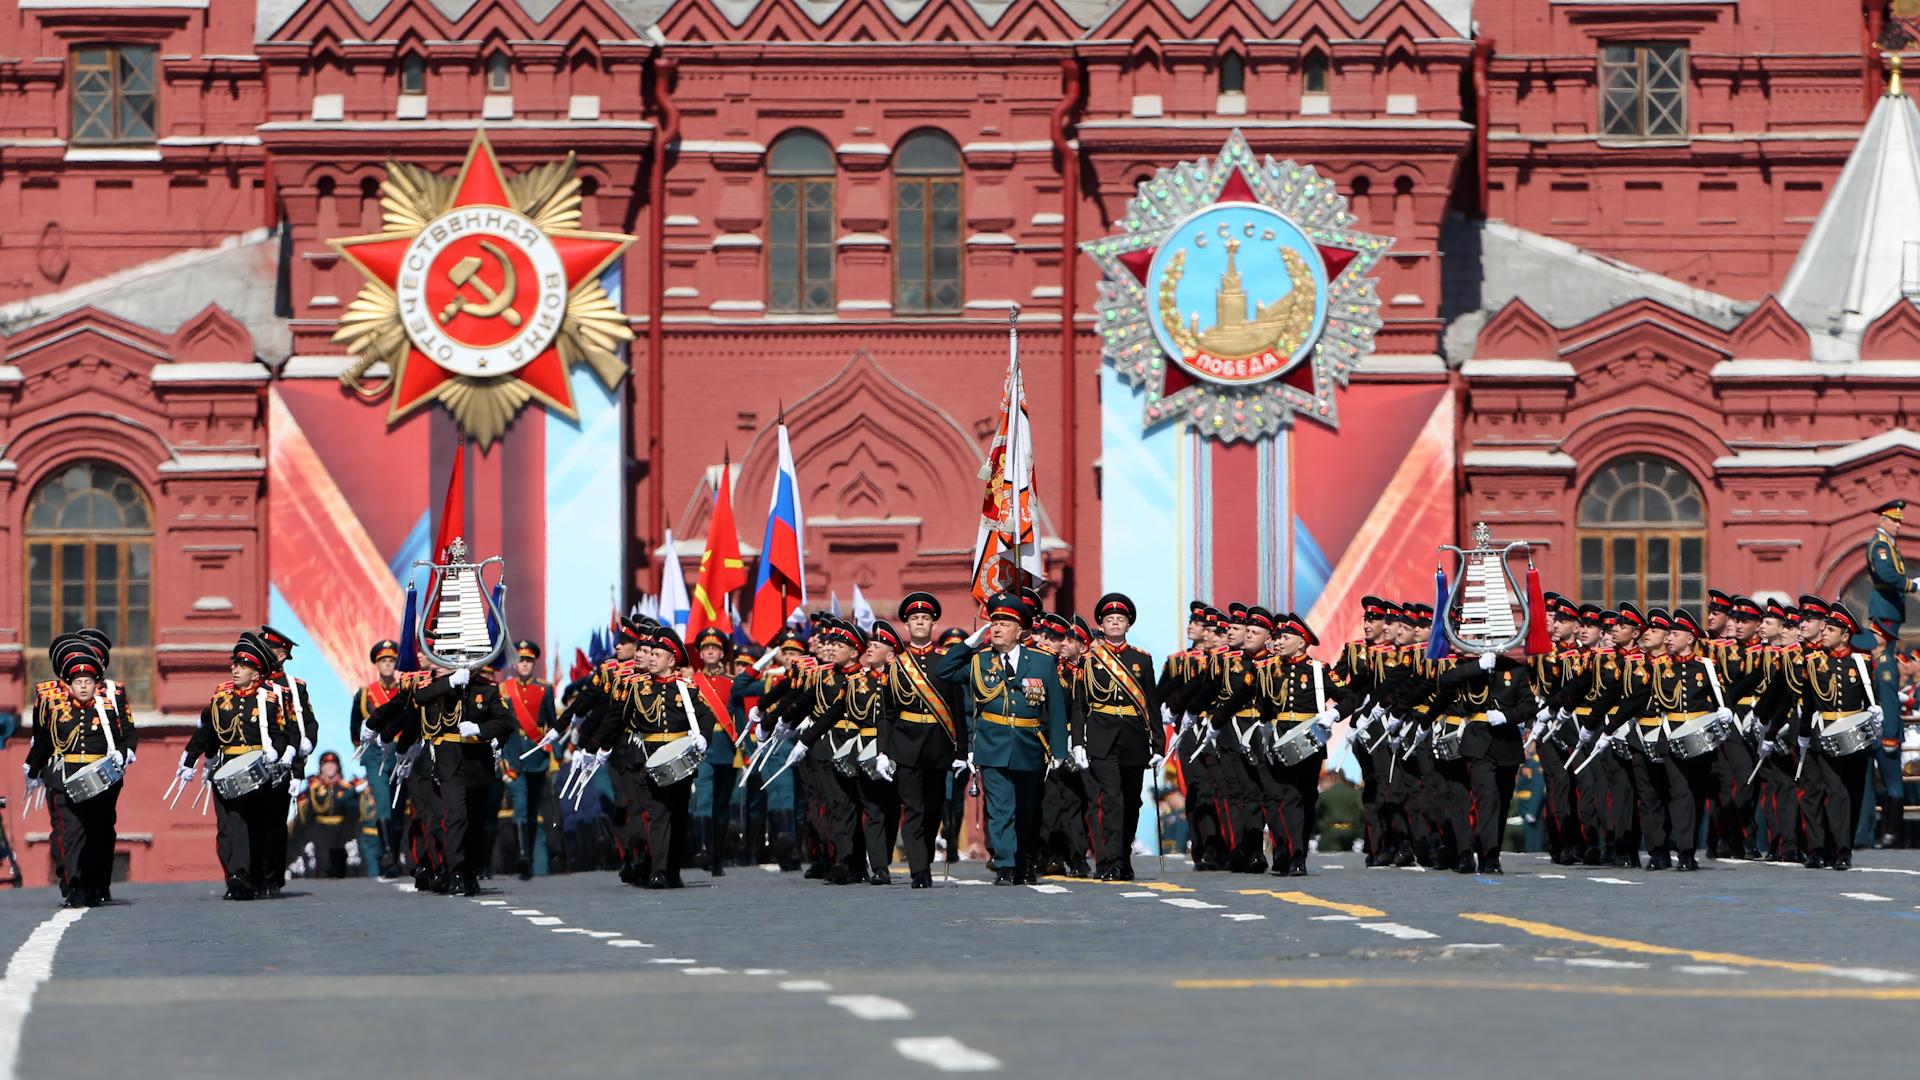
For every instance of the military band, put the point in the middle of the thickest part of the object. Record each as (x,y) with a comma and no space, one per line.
(1753,731)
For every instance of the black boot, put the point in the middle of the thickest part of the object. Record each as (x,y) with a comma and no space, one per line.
(1490,863)
(1464,865)
(1004,876)
(838,875)
(1686,861)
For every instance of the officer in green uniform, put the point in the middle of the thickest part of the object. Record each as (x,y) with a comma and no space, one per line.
(1886,610)
(1018,714)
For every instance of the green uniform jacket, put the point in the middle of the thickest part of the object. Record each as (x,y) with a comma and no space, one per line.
(1887,604)
(988,699)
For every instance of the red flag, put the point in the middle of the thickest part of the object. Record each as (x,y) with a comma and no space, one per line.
(721,568)
(453,512)
(1539,640)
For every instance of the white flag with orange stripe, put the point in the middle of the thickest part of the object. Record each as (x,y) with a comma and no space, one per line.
(1007,553)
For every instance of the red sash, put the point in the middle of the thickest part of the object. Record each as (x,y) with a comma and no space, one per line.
(715,689)
(526,705)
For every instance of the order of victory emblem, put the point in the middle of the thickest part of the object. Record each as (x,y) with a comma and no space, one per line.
(482,293)
(1237,294)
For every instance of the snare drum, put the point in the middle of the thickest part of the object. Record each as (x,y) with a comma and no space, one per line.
(674,761)
(91,779)
(1848,735)
(243,775)
(1297,744)
(1701,735)
(1446,741)
(846,756)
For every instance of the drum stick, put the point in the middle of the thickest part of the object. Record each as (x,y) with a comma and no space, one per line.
(776,775)
(172,787)
(359,750)
(545,741)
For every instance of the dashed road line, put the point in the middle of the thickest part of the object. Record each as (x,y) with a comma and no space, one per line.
(545,920)
(806,986)
(703,971)
(1708,969)
(946,1053)
(1050,889)
(1242,916)
(1596,962)
(628,943)
(1874,897)
(1561,933)
(1398,930)
(1190,902)
(672,960)
(1614,881)
(872,1006)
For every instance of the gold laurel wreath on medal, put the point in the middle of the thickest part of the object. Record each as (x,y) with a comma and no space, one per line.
(591,331)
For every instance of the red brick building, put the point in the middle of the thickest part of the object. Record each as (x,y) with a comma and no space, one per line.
(1592,204)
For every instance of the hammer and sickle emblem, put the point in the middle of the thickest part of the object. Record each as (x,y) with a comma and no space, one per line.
(466,272)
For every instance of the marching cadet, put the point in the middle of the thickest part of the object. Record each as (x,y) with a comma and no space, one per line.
(1391,669)
(326,820)
(306,728)
(1632,733)
(713,678)
(463,713)
(921,735)
(1685,689)
(827,740)
(1772,708)
(1606,791)
(1554,678)
(1358,675)
(1016,709)
(1234,720)
(759,691)
(377,757)
(79,730)
(1185,685)
(1064,797)
(401,726)
(655,708)
(1119,721)
(1740,660)
(243,717)
(1418,789)
(1840,698)
(531,700)
(1294,690)
(1886,611)
(868,702)
(1490,704)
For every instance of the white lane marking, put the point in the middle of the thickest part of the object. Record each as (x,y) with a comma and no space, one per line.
(946,1053)
(1613,881)
(1049,888)
(1190,902)
(491,903)
(1709,969)
(703,971)
(872,1006)
(545,920)
(406,888)
(628,943)
(1473,945)
(1148,893)
(526,911)
(1551,877)
(1870,975)
(1397,930)
(969,881)
(1241,916)
(32,964)
(567,930)
(1601,962)
(1866,896)
(771,868)
(806,986)
(601,935)
(1882,870)
(763,971)
(672,960)
(1335,918)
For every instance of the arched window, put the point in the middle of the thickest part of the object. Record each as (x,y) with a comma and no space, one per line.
(89,540)
(499,74)
(926,204)
(1233,74)
(800,224)
(413,74)
(1643,536)
(1313,73)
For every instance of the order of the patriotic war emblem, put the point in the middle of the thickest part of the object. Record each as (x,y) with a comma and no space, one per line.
(482,293)
(1237,294)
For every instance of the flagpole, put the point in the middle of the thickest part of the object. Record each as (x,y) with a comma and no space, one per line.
(1015,412)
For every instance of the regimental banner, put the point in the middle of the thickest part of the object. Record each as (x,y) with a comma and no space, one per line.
(482,293)
(1237,296)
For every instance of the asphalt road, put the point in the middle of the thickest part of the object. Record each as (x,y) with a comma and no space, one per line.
(1743,969)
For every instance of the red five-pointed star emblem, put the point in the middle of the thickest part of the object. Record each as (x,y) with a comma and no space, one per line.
(489,292)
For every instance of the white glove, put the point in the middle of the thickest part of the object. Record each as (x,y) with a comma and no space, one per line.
(1874,713)
(1563,715)
(1804,743)
(1496,718)
(781,730)
(1394,724)
(183,774)
(1378,712)
(1767,747)
(600,758)
(1156,761)
(1079,755)
(1487,660)
(974,639)
(1586,737)
(130,757)
(961,765)
(1600,744)
(1328,716)
(286,757)
(119,759)
(469,729)
(885,765)
(34,783)
(367,734)
(1723,714)
(310,853)
(1913,584)
(459,678)
(1539,730)
(971,767)
(306,746)
(797,754)
(353,854)
(699,740)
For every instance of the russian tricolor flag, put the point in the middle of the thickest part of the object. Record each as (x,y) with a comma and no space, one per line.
(780,583)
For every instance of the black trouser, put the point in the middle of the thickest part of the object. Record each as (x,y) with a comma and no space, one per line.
(1689,782)
(1733,797)
(530,825)
(275,874)
(1245,811)
(1617,799)
(1064,800)
(1114,812)
(720,839)
(1779,804)
(1831,792)
(465,806)
(923,797)
(1479,791)
(1390,811)
(1371,784)
(426,839)
(1563,828)
(1207,817)
(1596,787)
(841,840)
(955,812)
(879,821)
(1652,795)
(82,837)
(662,810)
(1406,786)
(811,781)
(244,835)
(1289,795)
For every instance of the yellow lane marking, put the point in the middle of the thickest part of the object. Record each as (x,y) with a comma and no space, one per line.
(1156,886)
(1561,933)
(1358,911)
(1843,993)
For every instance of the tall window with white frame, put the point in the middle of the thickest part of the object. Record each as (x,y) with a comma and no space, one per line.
(113,94)
(1643,91)
(800,241)
(926,223)
(1642,536)
(413,74)
(89,541)
(499,74)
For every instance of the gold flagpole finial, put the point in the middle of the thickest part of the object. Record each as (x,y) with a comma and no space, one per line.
(1893,74)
